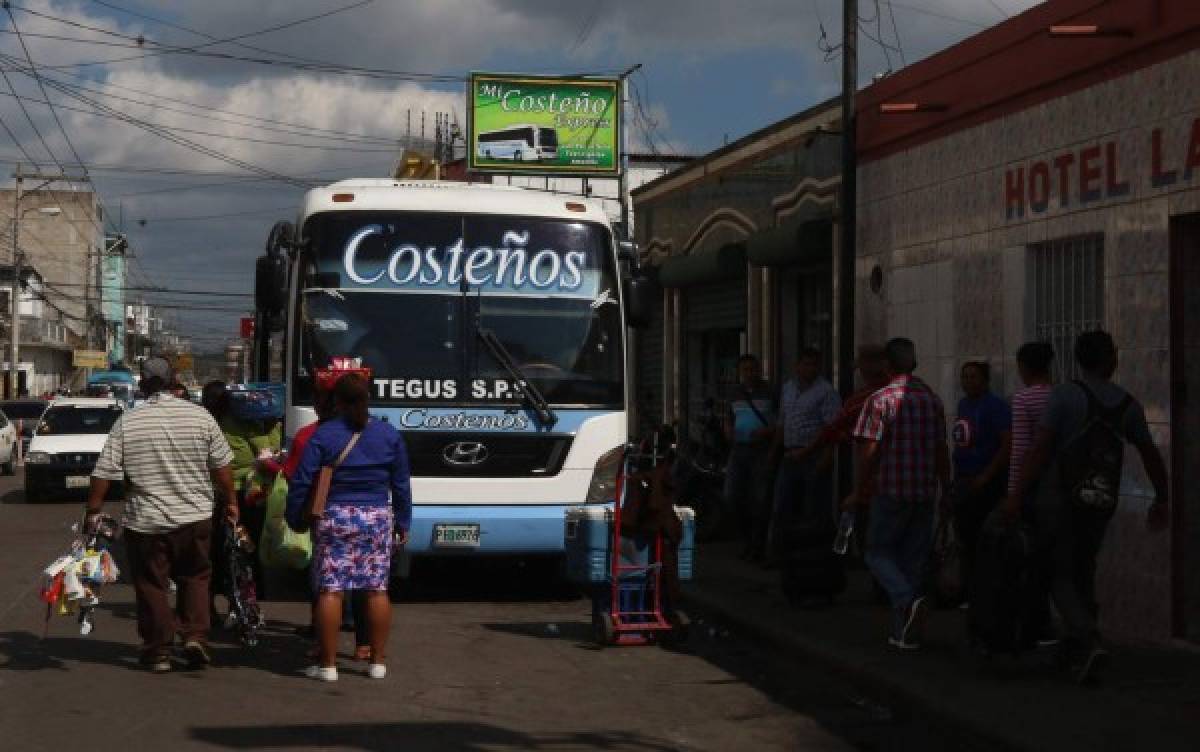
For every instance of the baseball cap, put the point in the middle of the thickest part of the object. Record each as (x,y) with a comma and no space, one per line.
(158,368)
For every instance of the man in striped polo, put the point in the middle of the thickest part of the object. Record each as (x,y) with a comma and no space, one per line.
(171,454)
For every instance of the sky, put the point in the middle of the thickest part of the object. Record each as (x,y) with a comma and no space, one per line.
(230,91)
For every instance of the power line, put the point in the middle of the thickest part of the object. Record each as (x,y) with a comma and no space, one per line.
(205,113)
(33,71)
(194,218)
(139,42)
(896,35)
(244,139)
(167,134)
(999,10)
(163,290)
(935,14)
(205,109)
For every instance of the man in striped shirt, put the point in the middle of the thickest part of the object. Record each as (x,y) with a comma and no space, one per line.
(172,453)
(903,456)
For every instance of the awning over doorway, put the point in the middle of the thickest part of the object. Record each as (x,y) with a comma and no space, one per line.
(705,267)
(810,241)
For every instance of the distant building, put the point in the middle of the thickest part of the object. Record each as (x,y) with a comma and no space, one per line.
(66,249)
(46,342)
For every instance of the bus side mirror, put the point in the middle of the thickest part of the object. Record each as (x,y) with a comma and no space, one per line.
(270,283)
(282,238)
(627,250)
(639,300)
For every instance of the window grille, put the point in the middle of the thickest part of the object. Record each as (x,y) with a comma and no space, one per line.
(1068,295)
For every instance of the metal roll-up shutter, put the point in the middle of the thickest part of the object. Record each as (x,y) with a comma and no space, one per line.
(721,306)
(651,346)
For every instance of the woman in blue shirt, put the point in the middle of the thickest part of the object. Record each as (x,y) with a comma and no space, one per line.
(369,505)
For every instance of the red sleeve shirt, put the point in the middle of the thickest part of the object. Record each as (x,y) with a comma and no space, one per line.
(298,442)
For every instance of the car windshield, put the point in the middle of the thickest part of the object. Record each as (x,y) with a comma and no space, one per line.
(406,293)
(23,410)
(63,420)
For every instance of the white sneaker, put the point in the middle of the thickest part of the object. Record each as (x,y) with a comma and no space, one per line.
(377,671)
(322,673)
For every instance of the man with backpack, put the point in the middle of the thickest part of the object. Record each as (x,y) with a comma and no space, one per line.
(1076,460)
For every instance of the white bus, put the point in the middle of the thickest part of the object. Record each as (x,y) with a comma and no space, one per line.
(493,320)
(520,143)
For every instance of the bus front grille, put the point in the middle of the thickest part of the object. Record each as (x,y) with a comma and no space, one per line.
(484,455)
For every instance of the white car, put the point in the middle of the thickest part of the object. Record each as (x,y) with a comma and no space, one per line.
(8,445)
(66,445)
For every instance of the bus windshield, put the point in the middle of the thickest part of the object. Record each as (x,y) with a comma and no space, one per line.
(408,292)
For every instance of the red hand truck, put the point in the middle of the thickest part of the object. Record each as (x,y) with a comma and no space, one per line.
(632,612)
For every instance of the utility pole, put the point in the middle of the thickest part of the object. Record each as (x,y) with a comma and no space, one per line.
(14,327)
(848,198)
(846,227)
(622,179)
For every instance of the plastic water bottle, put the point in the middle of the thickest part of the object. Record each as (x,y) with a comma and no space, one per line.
(845,529)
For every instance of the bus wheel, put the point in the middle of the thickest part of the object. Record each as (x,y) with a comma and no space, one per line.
(603,632)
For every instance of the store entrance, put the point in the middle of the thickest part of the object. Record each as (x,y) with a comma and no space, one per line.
(1185,425)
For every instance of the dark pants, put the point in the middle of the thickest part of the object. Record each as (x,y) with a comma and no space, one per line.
(747,484)
(971,510)
(154,560)
(801,497)
(1070,541)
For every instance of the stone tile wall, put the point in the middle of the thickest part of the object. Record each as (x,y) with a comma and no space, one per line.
(956,272)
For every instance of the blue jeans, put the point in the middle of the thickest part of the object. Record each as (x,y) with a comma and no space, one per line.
(899,542)
(747,477)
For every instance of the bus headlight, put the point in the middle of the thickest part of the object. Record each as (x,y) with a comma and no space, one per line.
(603,487)
(37,458)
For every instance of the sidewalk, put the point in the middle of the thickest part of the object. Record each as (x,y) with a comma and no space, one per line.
(1149,699)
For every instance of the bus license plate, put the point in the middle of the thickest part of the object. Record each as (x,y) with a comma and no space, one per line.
(78,481)
(456,536)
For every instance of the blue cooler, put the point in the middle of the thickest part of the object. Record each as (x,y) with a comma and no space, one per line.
(589,536)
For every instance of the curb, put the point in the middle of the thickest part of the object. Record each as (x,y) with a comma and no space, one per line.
(893,691)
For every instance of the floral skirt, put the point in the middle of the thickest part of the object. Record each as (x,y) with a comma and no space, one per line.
(352,548)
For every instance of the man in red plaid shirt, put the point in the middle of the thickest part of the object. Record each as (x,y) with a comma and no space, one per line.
(903,456)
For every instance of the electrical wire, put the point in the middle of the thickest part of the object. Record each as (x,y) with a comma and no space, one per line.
(168,135)
(935,14)
(139,42)
(206,114)
(999,10)
(244,139)
(896,35)
(34,72)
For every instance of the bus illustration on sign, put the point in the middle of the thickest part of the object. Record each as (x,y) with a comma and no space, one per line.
(520,143)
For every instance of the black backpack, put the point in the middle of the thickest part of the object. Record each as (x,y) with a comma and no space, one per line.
(1004,613)
(1090,462)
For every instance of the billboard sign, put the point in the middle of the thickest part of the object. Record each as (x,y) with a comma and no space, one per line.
(544,125)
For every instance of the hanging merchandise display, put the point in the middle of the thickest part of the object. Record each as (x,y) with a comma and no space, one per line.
(72,582)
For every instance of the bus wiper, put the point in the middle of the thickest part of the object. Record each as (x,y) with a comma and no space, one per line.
(541,408)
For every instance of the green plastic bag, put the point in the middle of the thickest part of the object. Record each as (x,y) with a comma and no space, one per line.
(280,546)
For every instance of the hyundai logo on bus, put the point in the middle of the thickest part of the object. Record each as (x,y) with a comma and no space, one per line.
(465,453)
(510,265)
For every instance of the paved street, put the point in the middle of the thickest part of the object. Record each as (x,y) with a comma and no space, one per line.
(483,658)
